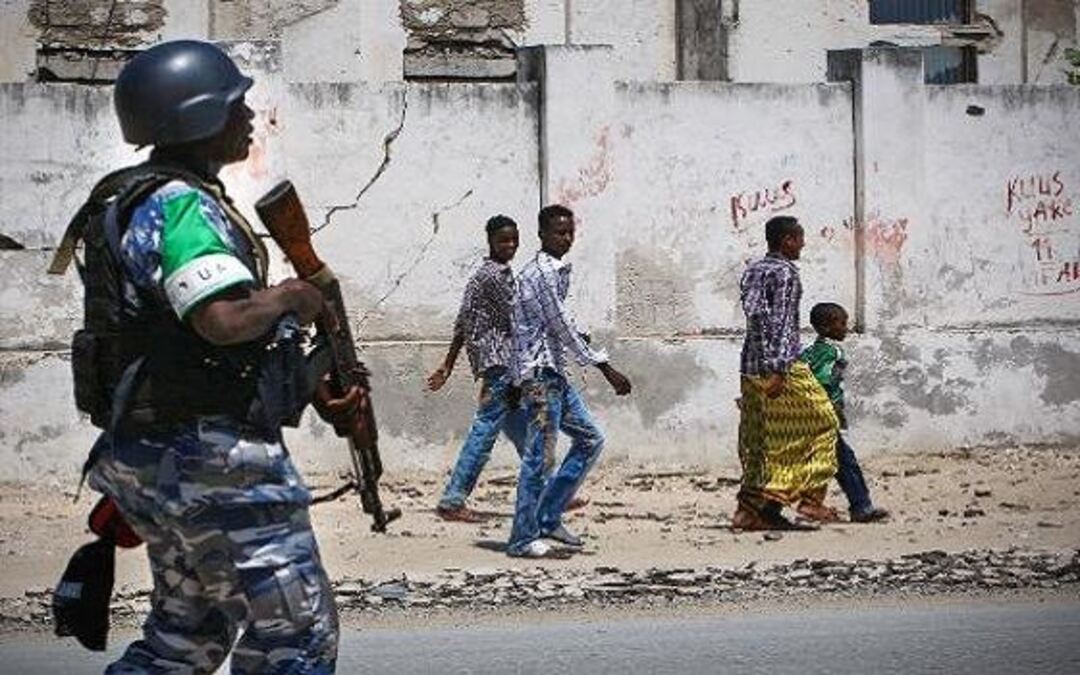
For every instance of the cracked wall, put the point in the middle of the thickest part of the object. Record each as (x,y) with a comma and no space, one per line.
(420,182)
(970,339)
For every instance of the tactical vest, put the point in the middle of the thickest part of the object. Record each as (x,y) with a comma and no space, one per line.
(138,370)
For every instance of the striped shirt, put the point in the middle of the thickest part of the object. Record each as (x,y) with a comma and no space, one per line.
(483,321)
(771,292)
(544,329)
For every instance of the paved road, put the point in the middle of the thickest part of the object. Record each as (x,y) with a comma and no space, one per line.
(978,639)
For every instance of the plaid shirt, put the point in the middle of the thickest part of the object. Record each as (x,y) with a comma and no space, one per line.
(483,322)
(771,292)
(543,327)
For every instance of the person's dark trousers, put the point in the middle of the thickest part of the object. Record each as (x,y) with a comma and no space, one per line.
(850,477)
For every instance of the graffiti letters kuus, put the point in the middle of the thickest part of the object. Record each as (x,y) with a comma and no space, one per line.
(769,200)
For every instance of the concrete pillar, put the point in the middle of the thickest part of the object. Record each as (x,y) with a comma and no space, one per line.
(576,86)
(701,38)
(889,99)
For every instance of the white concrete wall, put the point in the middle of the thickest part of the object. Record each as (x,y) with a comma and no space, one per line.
(642,33)
(457,155)
(904,189)
(17,41)
(967,343)
(353,41)
(787,40)
(782,41)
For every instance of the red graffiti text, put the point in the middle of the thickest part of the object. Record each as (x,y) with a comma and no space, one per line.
(1043,209)
(1038,201)
(768,200)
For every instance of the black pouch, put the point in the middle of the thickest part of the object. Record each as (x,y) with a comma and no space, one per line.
(80,603)
(85,366)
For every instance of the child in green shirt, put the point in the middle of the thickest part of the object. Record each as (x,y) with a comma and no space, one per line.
(827,362)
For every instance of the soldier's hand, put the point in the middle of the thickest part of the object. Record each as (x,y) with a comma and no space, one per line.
(340,412)
(301,297)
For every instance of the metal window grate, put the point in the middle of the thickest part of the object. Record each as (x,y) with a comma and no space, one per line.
(950,65)
(919,11)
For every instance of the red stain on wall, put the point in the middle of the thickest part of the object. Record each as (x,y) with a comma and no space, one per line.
(884,238)
(593,178)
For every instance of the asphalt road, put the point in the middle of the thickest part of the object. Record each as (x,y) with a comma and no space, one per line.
(956,639)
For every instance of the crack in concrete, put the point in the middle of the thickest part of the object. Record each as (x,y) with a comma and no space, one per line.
(388,141)
(400,278)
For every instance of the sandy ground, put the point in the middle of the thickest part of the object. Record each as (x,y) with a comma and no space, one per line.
(638,518)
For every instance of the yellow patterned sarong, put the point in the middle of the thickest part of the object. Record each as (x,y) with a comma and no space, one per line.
(787,445)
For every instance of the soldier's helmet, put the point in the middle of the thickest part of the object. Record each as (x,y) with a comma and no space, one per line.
(177,92)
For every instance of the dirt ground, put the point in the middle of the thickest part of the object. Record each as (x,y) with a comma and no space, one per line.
(637,519)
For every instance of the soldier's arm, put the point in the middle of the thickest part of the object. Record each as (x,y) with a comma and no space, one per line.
(237,315)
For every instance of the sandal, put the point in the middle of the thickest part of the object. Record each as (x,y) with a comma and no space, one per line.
(459,514)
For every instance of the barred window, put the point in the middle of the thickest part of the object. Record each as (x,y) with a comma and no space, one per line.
(920,11)
(943,65)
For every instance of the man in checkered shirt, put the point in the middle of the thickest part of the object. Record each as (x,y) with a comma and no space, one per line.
(483,328)
(544,331)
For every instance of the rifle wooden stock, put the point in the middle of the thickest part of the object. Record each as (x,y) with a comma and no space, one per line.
(284,217)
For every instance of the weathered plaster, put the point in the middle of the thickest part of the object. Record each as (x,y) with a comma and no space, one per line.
(18,41)
(353,41)
(260,19)
(96,23)
(671,183)
(458,39)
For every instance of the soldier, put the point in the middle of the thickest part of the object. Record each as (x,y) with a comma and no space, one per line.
(191,364)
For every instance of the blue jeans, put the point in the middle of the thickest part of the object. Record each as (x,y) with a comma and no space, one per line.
(492,416)
(551,405)
(850,477)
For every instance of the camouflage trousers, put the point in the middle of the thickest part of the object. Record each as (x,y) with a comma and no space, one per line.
(225,519)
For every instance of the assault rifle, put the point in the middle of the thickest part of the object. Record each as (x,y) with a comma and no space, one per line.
(284,217)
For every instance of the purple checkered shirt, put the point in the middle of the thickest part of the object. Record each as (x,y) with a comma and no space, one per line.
(483,321)
(771,292)
(543,327)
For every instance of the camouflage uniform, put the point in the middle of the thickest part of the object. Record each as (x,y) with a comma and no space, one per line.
(222,509)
